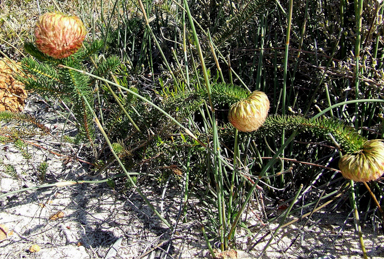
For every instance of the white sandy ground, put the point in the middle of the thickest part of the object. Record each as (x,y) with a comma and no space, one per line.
(101,222)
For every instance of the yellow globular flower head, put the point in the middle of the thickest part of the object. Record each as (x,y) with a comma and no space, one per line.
(249,114)
(365,165)
(58,35)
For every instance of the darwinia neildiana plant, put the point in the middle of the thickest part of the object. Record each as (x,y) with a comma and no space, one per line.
(57,38)
(58,35)
(249,114)
(365,165)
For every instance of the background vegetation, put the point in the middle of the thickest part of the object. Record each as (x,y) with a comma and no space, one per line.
(160,77)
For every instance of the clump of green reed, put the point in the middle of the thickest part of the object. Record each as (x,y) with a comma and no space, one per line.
(303,59)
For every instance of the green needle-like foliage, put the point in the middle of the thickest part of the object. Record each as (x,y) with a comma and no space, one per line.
(224,95)
(50,78)
(347,137)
